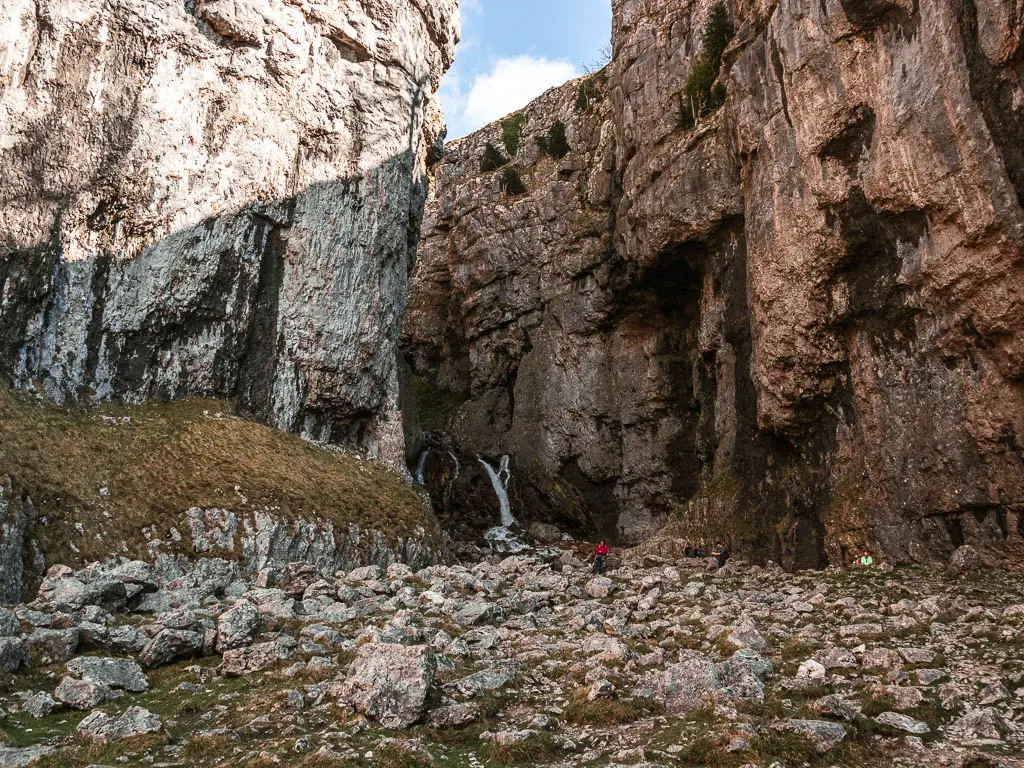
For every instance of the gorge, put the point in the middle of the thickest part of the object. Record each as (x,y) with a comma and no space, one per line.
(309,420)
(789,317)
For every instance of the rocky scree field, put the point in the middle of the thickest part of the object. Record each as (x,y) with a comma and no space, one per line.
(524,660)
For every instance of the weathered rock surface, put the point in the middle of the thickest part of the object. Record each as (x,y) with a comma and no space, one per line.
(390,683)
(212,198)
(798,322)
(101,728)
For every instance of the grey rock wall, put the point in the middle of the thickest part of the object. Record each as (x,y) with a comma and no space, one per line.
(217,198)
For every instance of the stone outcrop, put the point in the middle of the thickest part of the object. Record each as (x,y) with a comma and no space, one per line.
(217,198)
(795,324)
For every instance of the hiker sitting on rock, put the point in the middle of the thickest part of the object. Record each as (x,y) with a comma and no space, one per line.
(600,553)
(721,553)
(687,550)
(866,559)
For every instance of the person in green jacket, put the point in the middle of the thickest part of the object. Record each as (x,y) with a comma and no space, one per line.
(866,559)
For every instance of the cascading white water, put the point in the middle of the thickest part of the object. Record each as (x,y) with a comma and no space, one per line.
(421,466)
(500,538)
(500,488)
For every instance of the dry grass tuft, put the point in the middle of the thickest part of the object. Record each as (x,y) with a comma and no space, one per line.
(158,460)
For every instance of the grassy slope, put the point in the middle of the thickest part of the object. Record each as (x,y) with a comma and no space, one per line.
(160,459)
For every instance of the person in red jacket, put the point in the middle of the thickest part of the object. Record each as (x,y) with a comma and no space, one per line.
(600,553)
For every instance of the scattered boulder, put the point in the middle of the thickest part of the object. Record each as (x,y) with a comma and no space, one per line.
(835,705)
(986,723)
(483,681)
(82,694)
(390,683)
(101,728)
(600,586)
(824,735)
(170,645)
(37,704)
(9,624)
(12,654)
(237,626)
(20,757)
(243,661)
(964,560)
(902,723)
(52,646)
(122,674)
(683,687)
(811,670)
(454,715)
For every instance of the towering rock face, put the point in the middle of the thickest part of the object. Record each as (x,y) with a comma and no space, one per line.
(217,197)
(796,324)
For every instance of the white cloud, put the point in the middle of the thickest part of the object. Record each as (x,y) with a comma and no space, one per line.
(511,84)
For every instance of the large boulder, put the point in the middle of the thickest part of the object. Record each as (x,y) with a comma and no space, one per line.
(237,626)
(101,728)
(390,683)
(123,674)
(683,687)
(964,560)
(170,645)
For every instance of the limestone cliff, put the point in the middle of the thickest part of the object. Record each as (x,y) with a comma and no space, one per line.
(795,322)
(217,198)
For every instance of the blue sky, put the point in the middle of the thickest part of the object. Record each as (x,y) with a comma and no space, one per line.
(513,50)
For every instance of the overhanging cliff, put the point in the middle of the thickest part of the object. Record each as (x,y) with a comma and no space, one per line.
(794,321)
(219,199)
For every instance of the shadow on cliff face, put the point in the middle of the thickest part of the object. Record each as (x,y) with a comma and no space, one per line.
(291,307)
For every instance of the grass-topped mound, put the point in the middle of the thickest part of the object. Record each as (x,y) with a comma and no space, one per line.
(98,477)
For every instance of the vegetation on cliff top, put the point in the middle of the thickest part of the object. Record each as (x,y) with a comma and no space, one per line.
(554,142)
(492,159)
(100,476)
(590,90)
(703,94)
(512,133)
(512,182)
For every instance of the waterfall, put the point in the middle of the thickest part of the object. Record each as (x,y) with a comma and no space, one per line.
(421,465)
(500,487)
